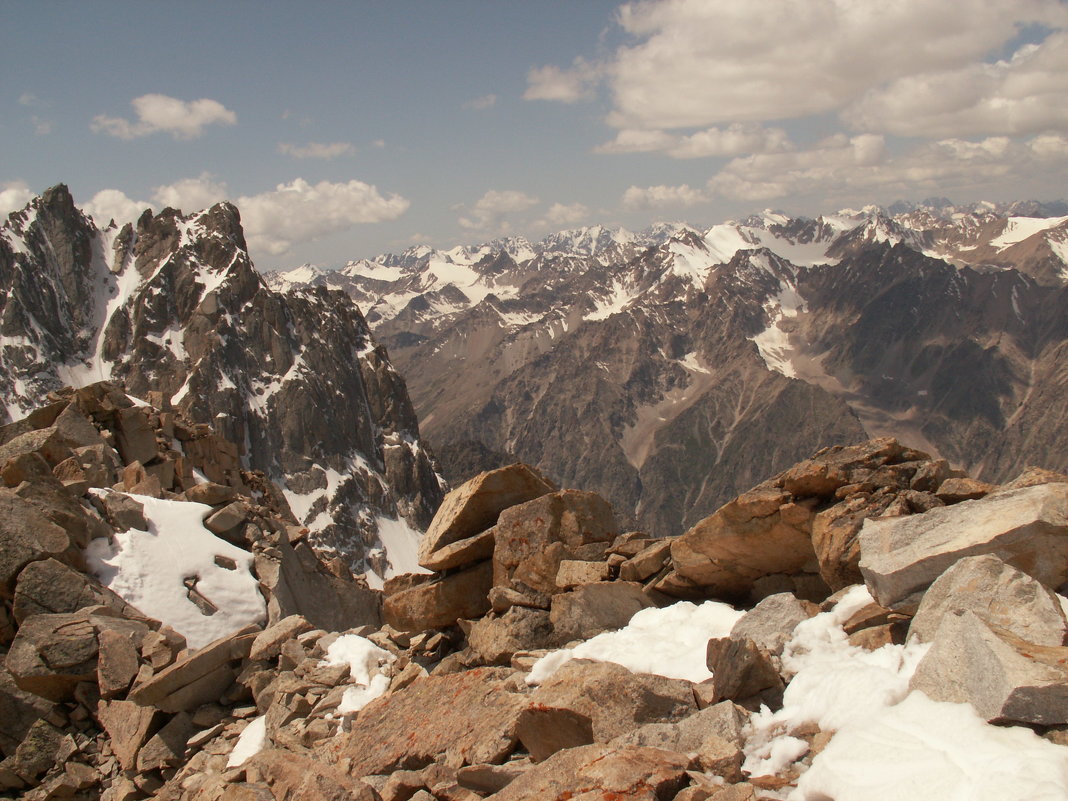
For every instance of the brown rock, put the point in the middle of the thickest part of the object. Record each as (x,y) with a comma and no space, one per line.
(47,442)
(268,643)
(570,517)
(136,438)
(228,518)
(1033,476)
(25,467)
(441,603)
(600,772)
(297,777)
(49,586)
(210,493)
(571,573)
(117,663)
(166,748)
(496,639)
(473,507)
(593,608)
(199,677)
(123,511)
(544,730)
(18,711)
(741,669)
(491,778)
(835,537)
(955,490)
(616,700)
(127,725)
(25,536)
(467,717)
(646,562)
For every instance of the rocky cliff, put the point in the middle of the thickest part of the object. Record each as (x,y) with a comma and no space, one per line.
(172,307)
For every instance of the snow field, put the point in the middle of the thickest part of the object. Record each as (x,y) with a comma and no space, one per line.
(150,570)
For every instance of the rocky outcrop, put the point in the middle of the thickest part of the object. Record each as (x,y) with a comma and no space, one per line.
(172,309)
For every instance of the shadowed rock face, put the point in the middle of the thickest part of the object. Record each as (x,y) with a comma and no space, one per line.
(172,305)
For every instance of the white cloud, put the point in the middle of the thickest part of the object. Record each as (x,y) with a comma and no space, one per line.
(564,85)
(300,212)
(481,103)
(41,126)
(160,113)
(488,215)
(14,195)
(700,63)
(111,204)
(274,221)
(190,194)
(655,197)
(1025,94)
(565,214)
(858,168)
(730,141)
(317,150)
(29,99)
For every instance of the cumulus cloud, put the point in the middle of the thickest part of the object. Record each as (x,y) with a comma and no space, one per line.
(112,205)
(300,211)
(1025,94)
(190,194)
(14,195)
(862,166)
(657,197)
(481,103)
(565,85)
(490,212)
(274,221)
(159,113)
(565,214)
(701,63)
(730,141)
(317,150)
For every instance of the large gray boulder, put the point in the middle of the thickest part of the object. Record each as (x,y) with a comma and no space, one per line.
(1005,678)
(1027,528)
(999,594)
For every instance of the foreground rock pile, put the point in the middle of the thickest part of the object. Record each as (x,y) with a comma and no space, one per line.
(441,692)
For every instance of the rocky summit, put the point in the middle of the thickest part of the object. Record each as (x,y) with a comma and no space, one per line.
(166,631)
(173,310)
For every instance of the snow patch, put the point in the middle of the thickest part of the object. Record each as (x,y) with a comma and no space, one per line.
(1017,229)
(249,743)
(157,570)
(774,341)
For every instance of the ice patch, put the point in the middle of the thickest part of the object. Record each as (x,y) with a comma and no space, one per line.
(249,743)
(774,341)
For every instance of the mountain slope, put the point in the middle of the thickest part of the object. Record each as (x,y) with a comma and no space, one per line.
(174,306)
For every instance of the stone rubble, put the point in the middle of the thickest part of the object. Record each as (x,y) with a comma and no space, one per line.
(100,701)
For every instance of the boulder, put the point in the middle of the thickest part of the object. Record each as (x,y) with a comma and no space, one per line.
(1006,679)
(136,439)
(723,720)
(53,653)
(268,643)
(440,603)
(759,533)
(47,442)
(955,490)
(601,772)
(210,493)
(473,507)
(835,534)
(1033,476)
(647,562)
(741,670)
(771,623)
(544,730)
(467,717)
(614,699)
(999,594)
(496,638)
(118,661)
(1027,528)
(593,608)
(571,573)
(524,534)
(26,535)
(18,710)
(123,511)
(197,677)
(49,586)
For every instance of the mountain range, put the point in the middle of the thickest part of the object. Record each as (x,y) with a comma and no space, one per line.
(668,370)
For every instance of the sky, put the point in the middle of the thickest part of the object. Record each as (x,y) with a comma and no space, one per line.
(342,130)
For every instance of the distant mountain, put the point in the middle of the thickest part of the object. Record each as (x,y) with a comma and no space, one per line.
(173,307)
(670,369)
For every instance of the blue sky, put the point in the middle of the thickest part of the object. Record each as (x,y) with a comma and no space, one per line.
(343,130)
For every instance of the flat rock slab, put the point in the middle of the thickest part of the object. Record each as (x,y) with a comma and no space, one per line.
(1026,528)
(1005,678)
(441,603)
(465,718)
(616,700)
(771,623)
(593,608)
(601,772)
(474,507)
(999,594)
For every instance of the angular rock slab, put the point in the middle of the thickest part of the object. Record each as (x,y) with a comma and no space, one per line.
(771,623)
(593,608)
(601,772)
(1026,528)
(999,594)
(616,700)
(474,507)
(1005,678)
(465,718)
(441,603)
